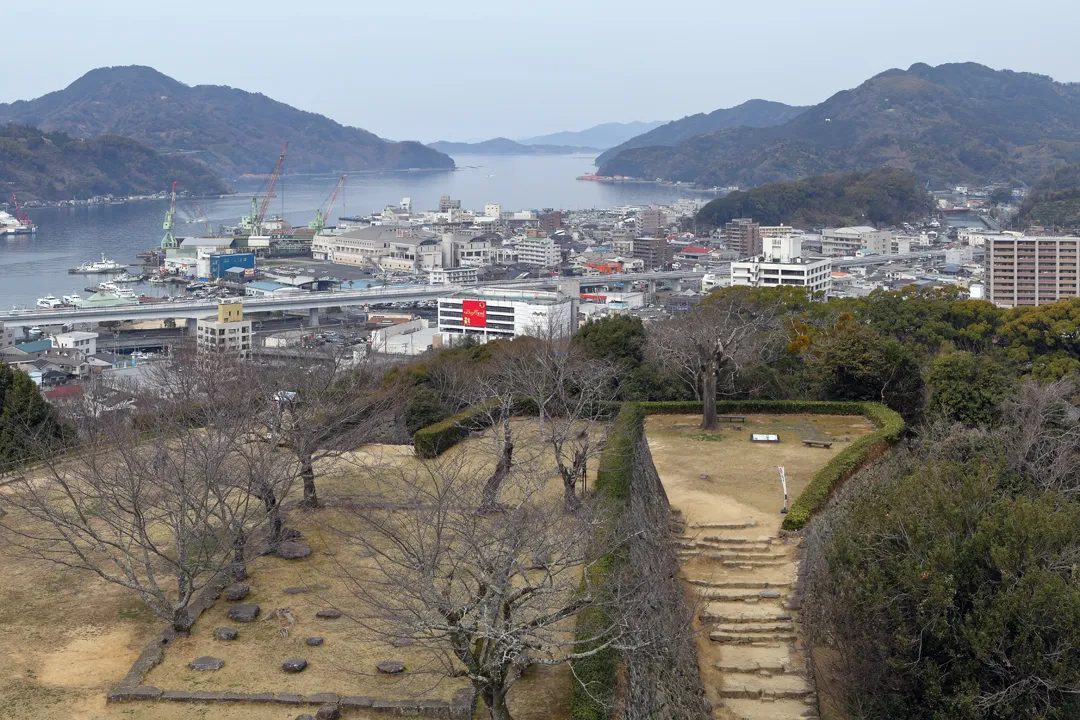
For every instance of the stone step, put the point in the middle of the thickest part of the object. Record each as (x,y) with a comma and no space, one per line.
(756,628)
(742,613)
(738,540)
(765,639)
(709,545)
(751,564)
(785,655)
(741,584)
(773,709)
(753,687)
(735,594)
(755,668)
(752,556)
(724,526)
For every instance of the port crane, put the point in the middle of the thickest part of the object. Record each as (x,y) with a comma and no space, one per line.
(321,217)
(205,220)
(20,214)
(169,241)
(252,222)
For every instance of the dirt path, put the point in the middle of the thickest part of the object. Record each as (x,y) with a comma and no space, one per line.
(739,567)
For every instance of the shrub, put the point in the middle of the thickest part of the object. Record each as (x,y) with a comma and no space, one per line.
(434,440)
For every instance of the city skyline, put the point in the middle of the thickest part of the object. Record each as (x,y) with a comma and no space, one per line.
(434,72)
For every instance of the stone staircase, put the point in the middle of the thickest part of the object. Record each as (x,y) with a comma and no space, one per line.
(744,579)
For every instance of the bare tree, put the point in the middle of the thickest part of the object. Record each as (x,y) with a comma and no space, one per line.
(715,341)
(162,506)
(489,593)
(320,405)
(568,391)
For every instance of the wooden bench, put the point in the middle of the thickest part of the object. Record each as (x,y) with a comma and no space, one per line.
(818,443)
(732,418)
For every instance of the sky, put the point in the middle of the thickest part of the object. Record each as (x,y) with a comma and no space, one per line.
(476,69)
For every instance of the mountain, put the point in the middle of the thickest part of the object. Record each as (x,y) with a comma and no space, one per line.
(886,196)
(503,146)
(957,123)
(1054,201)
(54,166)
(752,113)
(598,136)
(233,131)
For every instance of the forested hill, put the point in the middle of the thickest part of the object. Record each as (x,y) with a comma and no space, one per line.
(54,166)
(231,130)
(752,113)
(951,124)
(879,197)
(1054,201)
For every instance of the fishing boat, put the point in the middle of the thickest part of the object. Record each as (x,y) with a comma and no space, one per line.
(126,277)
(72,298)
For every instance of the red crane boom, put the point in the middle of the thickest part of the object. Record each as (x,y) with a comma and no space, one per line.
(270,190)
(333,198)
(20,215)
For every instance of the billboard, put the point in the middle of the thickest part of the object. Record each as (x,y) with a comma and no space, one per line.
(474,313)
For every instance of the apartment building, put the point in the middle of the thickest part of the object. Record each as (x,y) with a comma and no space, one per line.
(743,237)
(538,251)
(849,240)
(652,221)
(1027,271)
(453,276)
(783,263)
(229,334)
(654,252)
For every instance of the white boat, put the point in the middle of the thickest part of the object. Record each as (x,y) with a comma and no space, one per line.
(126,277)
(72,298)
(104,265)
(157,280)
(49,301)
(126,293)
(108,287)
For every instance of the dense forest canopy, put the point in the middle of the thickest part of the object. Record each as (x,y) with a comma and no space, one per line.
(878,197)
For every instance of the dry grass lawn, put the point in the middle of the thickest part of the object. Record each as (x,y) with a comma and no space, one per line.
(67,637)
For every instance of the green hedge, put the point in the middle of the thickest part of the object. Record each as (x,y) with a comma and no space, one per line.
(434,440)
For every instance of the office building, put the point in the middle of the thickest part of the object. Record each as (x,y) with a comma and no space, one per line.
(491,313)
(849,240)
(229,334)
(783,263)
(538,251)
(652,221)
(655,253)
(1027,271)
(743,237)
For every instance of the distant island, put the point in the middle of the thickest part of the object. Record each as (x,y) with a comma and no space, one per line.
(602,137)
(960,123)
(51,166)
(505,146)
(886,196)
(231,131)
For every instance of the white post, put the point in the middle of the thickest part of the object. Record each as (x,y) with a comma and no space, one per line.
(783,484)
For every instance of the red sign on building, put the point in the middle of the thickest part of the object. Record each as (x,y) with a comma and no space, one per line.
(474,313)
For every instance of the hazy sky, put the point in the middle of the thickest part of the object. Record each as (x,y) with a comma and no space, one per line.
(475,69)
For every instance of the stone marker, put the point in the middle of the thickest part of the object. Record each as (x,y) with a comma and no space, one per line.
(328,712)
(390,667)
(305,716)
(225,633)
(239,591)
(295,590)
(769,594)
(314,641)
(206,663)
(292,550)
(294,665)
(328,614)
(401,642)
(244,613)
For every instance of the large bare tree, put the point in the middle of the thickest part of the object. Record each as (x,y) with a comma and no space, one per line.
(488,593)
(717,340)
(161,505)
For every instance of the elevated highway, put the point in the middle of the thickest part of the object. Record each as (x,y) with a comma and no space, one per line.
(312,302)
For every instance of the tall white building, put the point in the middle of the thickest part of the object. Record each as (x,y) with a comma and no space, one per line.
(783,264)
(493,210)
(849,240)
(539,251)
(229,334)
(492,313)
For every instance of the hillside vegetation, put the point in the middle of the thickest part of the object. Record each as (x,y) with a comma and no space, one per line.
(957,123)
(231,130)
(54,166)
(752,113)
(1054,201)
(879,197)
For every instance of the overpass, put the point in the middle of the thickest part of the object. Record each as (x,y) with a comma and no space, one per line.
(312,302)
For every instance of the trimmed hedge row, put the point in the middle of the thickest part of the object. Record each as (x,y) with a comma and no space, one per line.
(889,425)
(434,440)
